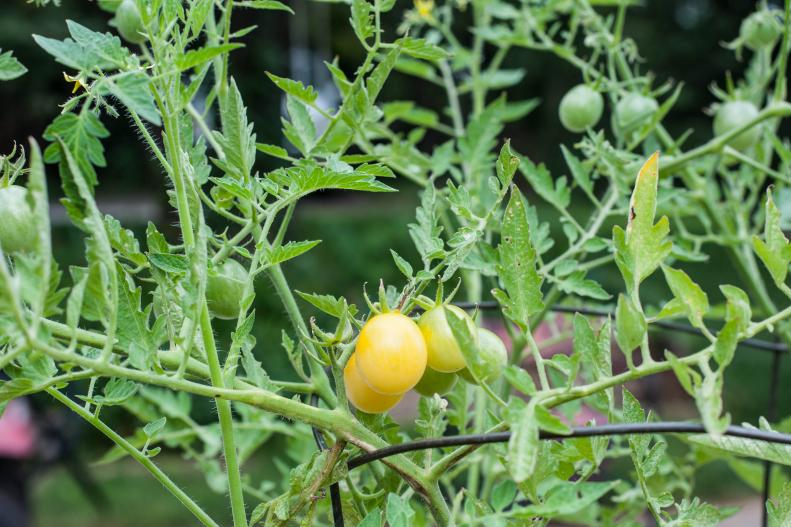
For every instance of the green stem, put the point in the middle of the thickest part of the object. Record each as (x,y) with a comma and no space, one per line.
(225,416)
(138,456)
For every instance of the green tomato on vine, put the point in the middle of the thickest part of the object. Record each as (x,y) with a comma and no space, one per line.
(444,354)
(580,108)
(633,111)
(129,22)
(760,30)
(224,289)
(492,355)
(18,232)
(434,381)
(735,114)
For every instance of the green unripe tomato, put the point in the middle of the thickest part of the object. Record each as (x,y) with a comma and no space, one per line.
(434,381)
(129,22)
(633,111)
(224,289)
(734,114)
(492,354)
(580,108)
(444,354)
(17,221)
(760,30)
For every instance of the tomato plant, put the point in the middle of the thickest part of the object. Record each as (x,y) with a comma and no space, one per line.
(591,257)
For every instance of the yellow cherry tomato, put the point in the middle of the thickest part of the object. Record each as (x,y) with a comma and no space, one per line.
(361,396)
(391,354)
(444,354)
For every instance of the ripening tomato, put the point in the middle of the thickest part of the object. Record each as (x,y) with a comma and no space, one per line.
(434,381)
(444,354)
(580,108)
(224,289)
(760,30)
(361,395)
(129,22)
(17,221)
(391,353)
(734,114)
(493,357)
(634,110)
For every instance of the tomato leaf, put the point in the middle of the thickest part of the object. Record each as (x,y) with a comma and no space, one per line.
(643,246)
(630,326)
(10,67)
(689,294)
(774,250)
(522,296)
(523,444)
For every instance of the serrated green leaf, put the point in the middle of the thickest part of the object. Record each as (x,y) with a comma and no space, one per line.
(523,446)
(10,67)
(517,267)
(133,91)
(630,326)
(265,4)
(774,250)
(288,251)
(691,296)
(151,429)
(643,246)
(304,93)
(421,49)
(200,56)
(403,265)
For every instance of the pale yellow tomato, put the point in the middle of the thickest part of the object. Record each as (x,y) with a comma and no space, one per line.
(391,354)
(361,396)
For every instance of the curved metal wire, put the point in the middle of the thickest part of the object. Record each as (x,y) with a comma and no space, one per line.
(669,427)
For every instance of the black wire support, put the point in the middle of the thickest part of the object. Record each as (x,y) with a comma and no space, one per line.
(669,427)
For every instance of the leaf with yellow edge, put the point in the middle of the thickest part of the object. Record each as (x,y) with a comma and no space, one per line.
(643,246)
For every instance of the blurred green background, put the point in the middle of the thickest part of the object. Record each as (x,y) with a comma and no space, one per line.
(679,40)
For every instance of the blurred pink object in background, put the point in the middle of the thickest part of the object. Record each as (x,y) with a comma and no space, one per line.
(17,433)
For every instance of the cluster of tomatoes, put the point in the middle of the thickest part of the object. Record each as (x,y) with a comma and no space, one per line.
(394,355)
(582,106)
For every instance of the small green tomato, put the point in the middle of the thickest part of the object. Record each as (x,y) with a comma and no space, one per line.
(760,30)
(493,357)
(580,108)
(224,289)
(129,22)
(734,114)
(444,354)
(633,111)
(17,221)
(434,381)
